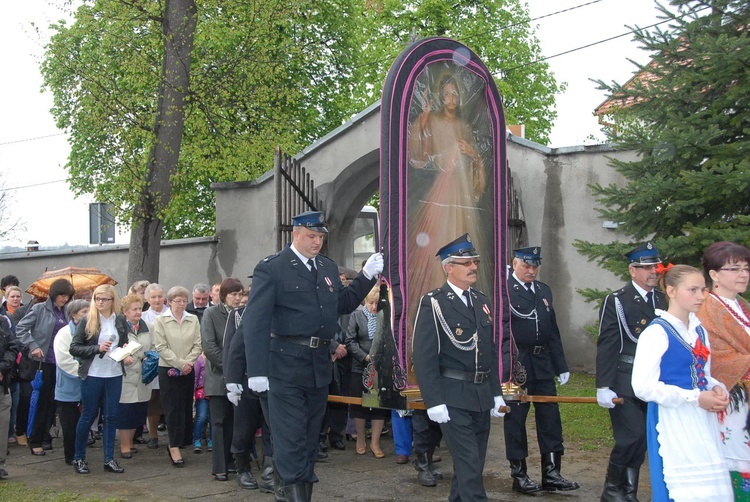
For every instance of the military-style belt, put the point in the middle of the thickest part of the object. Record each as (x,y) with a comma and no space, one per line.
(534,349)
(477,377)
(308,341)
(624,358)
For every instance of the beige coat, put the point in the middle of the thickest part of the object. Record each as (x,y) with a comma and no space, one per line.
(177,344)
(133,388)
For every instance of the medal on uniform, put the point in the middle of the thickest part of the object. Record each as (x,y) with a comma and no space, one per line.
(330,284)
(486,310)
(545,303)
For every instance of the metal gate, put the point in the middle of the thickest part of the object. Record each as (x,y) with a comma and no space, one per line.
(295,193)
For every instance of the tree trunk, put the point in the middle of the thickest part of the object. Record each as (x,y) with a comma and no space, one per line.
(178,29)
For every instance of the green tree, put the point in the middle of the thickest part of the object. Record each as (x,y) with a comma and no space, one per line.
(259,74)
(687,115)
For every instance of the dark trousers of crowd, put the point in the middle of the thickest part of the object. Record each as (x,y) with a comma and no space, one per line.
(177,402)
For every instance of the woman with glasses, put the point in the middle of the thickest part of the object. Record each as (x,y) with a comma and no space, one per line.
(96,336)
(178,341)
(725,315)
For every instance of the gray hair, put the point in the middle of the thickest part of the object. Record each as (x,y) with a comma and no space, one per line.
(74,306)
(178,291)
(201,288)
(152,287)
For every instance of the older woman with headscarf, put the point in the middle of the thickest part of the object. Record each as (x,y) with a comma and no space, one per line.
(135,394)
(178,342)
(97,335)
(36,332)
(68,389)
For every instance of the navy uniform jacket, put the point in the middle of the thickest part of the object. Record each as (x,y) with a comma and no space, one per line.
(432,349)
(533,323)
(286,301)
(617,338)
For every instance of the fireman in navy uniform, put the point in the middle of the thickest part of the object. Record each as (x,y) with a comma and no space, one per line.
(292,313)
(623,316)
(540,351)
(456,365)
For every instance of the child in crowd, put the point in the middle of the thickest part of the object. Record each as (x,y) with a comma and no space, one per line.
(202,412)
(672,373)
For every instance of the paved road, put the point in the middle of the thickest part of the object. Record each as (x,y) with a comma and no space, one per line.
(344,476)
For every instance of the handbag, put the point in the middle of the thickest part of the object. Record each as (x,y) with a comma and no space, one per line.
(27,367)
(150,366)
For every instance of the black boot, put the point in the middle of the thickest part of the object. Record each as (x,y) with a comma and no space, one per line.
(278,487)
(614,484)
(551,478)
(435,473)
(266,483)
(422,464)
(630,484)
(296,492)
(244,478)
(522,483)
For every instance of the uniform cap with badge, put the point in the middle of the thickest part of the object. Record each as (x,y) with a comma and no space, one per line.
(645,254)
(314,220)
(531,255)
(458,248)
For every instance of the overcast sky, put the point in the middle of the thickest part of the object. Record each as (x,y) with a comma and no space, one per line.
(33,151)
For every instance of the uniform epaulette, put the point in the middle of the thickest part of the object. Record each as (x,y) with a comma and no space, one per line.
(325,258)
(434,292)
(271,257)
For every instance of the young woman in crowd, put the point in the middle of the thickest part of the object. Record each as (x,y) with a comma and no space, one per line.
(672,372)
(96,335)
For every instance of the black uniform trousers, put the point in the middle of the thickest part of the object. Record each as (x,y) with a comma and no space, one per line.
(629,431)
(248,419)
(296,415)
(222,426)
(467,434)
(426,434)
(547,418)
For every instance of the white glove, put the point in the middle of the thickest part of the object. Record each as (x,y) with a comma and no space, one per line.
(604,397)
(257,384)
(374,266)
(235,393)
(495,412)
(438,414)
(563,377)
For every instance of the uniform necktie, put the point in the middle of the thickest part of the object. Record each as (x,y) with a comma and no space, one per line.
(527,285)
(313,269)
(468,298)
(650,298)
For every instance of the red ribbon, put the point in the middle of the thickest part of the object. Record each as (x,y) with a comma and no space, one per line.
(661,269)
(701,350)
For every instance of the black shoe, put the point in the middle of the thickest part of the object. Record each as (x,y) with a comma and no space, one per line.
(126,454)
(551,478)
(97,435)
(113,466)
(46,445)
(322,446)
(3,473)
(140,440)
(161,427)
(152,444)
(522,483)
(322,454)
(176,463)
(39,453)
(338,445)
(81,466)
(221,477)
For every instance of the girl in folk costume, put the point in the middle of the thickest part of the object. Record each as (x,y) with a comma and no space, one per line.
(726,317)
(672,373)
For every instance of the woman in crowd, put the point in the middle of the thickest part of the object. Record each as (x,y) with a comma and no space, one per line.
(157,306)
(12,301)
(135,394)
(726,317)
(359,336)
(96,335)
(178,342)
(10,305)
(68,389)
(36,332)
(672,372)
(212,338)
(8,353)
